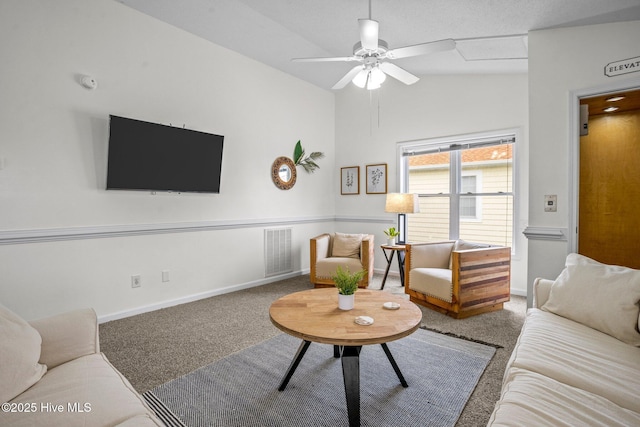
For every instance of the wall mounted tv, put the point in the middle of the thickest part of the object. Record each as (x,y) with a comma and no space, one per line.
(154,157)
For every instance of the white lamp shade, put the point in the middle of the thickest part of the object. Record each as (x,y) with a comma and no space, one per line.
(360,79)
(377,76)
(402,203)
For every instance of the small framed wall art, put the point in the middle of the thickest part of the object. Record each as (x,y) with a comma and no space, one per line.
(350,180)
(377,179)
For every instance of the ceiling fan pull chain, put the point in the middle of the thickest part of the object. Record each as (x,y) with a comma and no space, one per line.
(379,96)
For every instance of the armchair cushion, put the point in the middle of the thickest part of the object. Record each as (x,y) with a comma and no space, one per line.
(435,282)
(346,245)
(463,245)
(19,354)
(603,297)
(432,255)
(327,267)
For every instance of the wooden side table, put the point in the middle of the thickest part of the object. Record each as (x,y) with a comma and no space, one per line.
(399,249)
(314,316)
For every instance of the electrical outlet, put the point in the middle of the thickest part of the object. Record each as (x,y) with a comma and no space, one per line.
(165,275)
(136,282)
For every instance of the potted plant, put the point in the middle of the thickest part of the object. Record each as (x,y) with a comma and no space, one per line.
(391,233)
(347,284)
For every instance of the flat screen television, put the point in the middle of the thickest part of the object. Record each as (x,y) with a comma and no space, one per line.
(155,157)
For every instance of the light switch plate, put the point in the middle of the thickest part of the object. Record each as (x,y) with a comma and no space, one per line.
(551,203)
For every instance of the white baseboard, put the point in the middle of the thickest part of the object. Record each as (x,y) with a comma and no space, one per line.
(518,292)
(226,290)
(199,296)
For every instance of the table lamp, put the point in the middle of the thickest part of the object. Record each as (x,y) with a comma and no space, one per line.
(402,203)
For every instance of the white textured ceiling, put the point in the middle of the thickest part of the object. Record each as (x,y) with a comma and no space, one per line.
(275,31)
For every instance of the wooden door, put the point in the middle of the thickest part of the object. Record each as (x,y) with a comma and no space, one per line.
(609,198)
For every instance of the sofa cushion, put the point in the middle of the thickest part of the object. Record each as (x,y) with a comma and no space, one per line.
(326,268)
(346,245)
(20,346)
(581,357)
(603,297)
(88,380)
(435,282)
(531,399)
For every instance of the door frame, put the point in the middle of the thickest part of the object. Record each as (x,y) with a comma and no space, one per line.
(574,147)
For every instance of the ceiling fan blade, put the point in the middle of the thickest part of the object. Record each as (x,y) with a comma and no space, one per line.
(328,59)
(422,49)
(347,77)
(398,73)
(368,33)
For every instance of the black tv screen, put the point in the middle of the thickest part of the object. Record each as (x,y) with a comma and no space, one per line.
(150,156)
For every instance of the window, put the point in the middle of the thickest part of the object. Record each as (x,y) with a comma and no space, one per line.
(468,204)
(465,187)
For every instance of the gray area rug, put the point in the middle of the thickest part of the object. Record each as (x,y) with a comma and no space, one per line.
(241,389)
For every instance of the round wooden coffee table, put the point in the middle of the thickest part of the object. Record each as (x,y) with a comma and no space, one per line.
(314,316)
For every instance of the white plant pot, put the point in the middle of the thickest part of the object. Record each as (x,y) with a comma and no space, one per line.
(345,302)
(391,241)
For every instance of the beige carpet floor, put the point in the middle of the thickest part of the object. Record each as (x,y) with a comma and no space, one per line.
(153,348)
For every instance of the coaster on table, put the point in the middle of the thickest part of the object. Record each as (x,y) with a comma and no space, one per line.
(391,305)
(364,320)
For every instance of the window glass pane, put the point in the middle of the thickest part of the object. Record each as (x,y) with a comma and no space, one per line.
(468,204)
(432,223)
(495,221)
(493,163)
(468,207)
(429,173)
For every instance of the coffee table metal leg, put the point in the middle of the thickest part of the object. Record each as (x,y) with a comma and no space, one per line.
(351,374)
(294,364)
(394,364)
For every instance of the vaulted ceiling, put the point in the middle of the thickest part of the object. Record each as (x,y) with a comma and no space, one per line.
(275,31)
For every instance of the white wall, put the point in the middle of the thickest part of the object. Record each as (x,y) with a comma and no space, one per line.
(53,139)
(563,62)
(436,106)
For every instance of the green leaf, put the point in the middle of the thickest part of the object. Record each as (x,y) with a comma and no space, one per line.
(347,282)
(298,152)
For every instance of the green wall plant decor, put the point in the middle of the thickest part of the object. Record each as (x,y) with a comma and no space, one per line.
(309,162)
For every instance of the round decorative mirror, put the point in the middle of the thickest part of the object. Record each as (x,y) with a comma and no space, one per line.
(283,173)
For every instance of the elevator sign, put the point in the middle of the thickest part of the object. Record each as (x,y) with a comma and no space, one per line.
(626,66)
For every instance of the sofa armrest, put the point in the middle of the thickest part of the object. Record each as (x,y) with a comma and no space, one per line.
(67,336)
(541,291)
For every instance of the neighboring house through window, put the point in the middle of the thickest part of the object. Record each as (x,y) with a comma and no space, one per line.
(465,187)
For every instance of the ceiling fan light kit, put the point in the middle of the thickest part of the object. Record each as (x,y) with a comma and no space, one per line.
(374,54)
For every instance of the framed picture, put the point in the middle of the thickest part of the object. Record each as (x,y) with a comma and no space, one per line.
(377,179)
(350,180)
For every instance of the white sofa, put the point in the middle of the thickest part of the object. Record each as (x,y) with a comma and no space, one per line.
(577,360)
(53,374)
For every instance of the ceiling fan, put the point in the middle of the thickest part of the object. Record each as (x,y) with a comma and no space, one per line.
(373,54)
